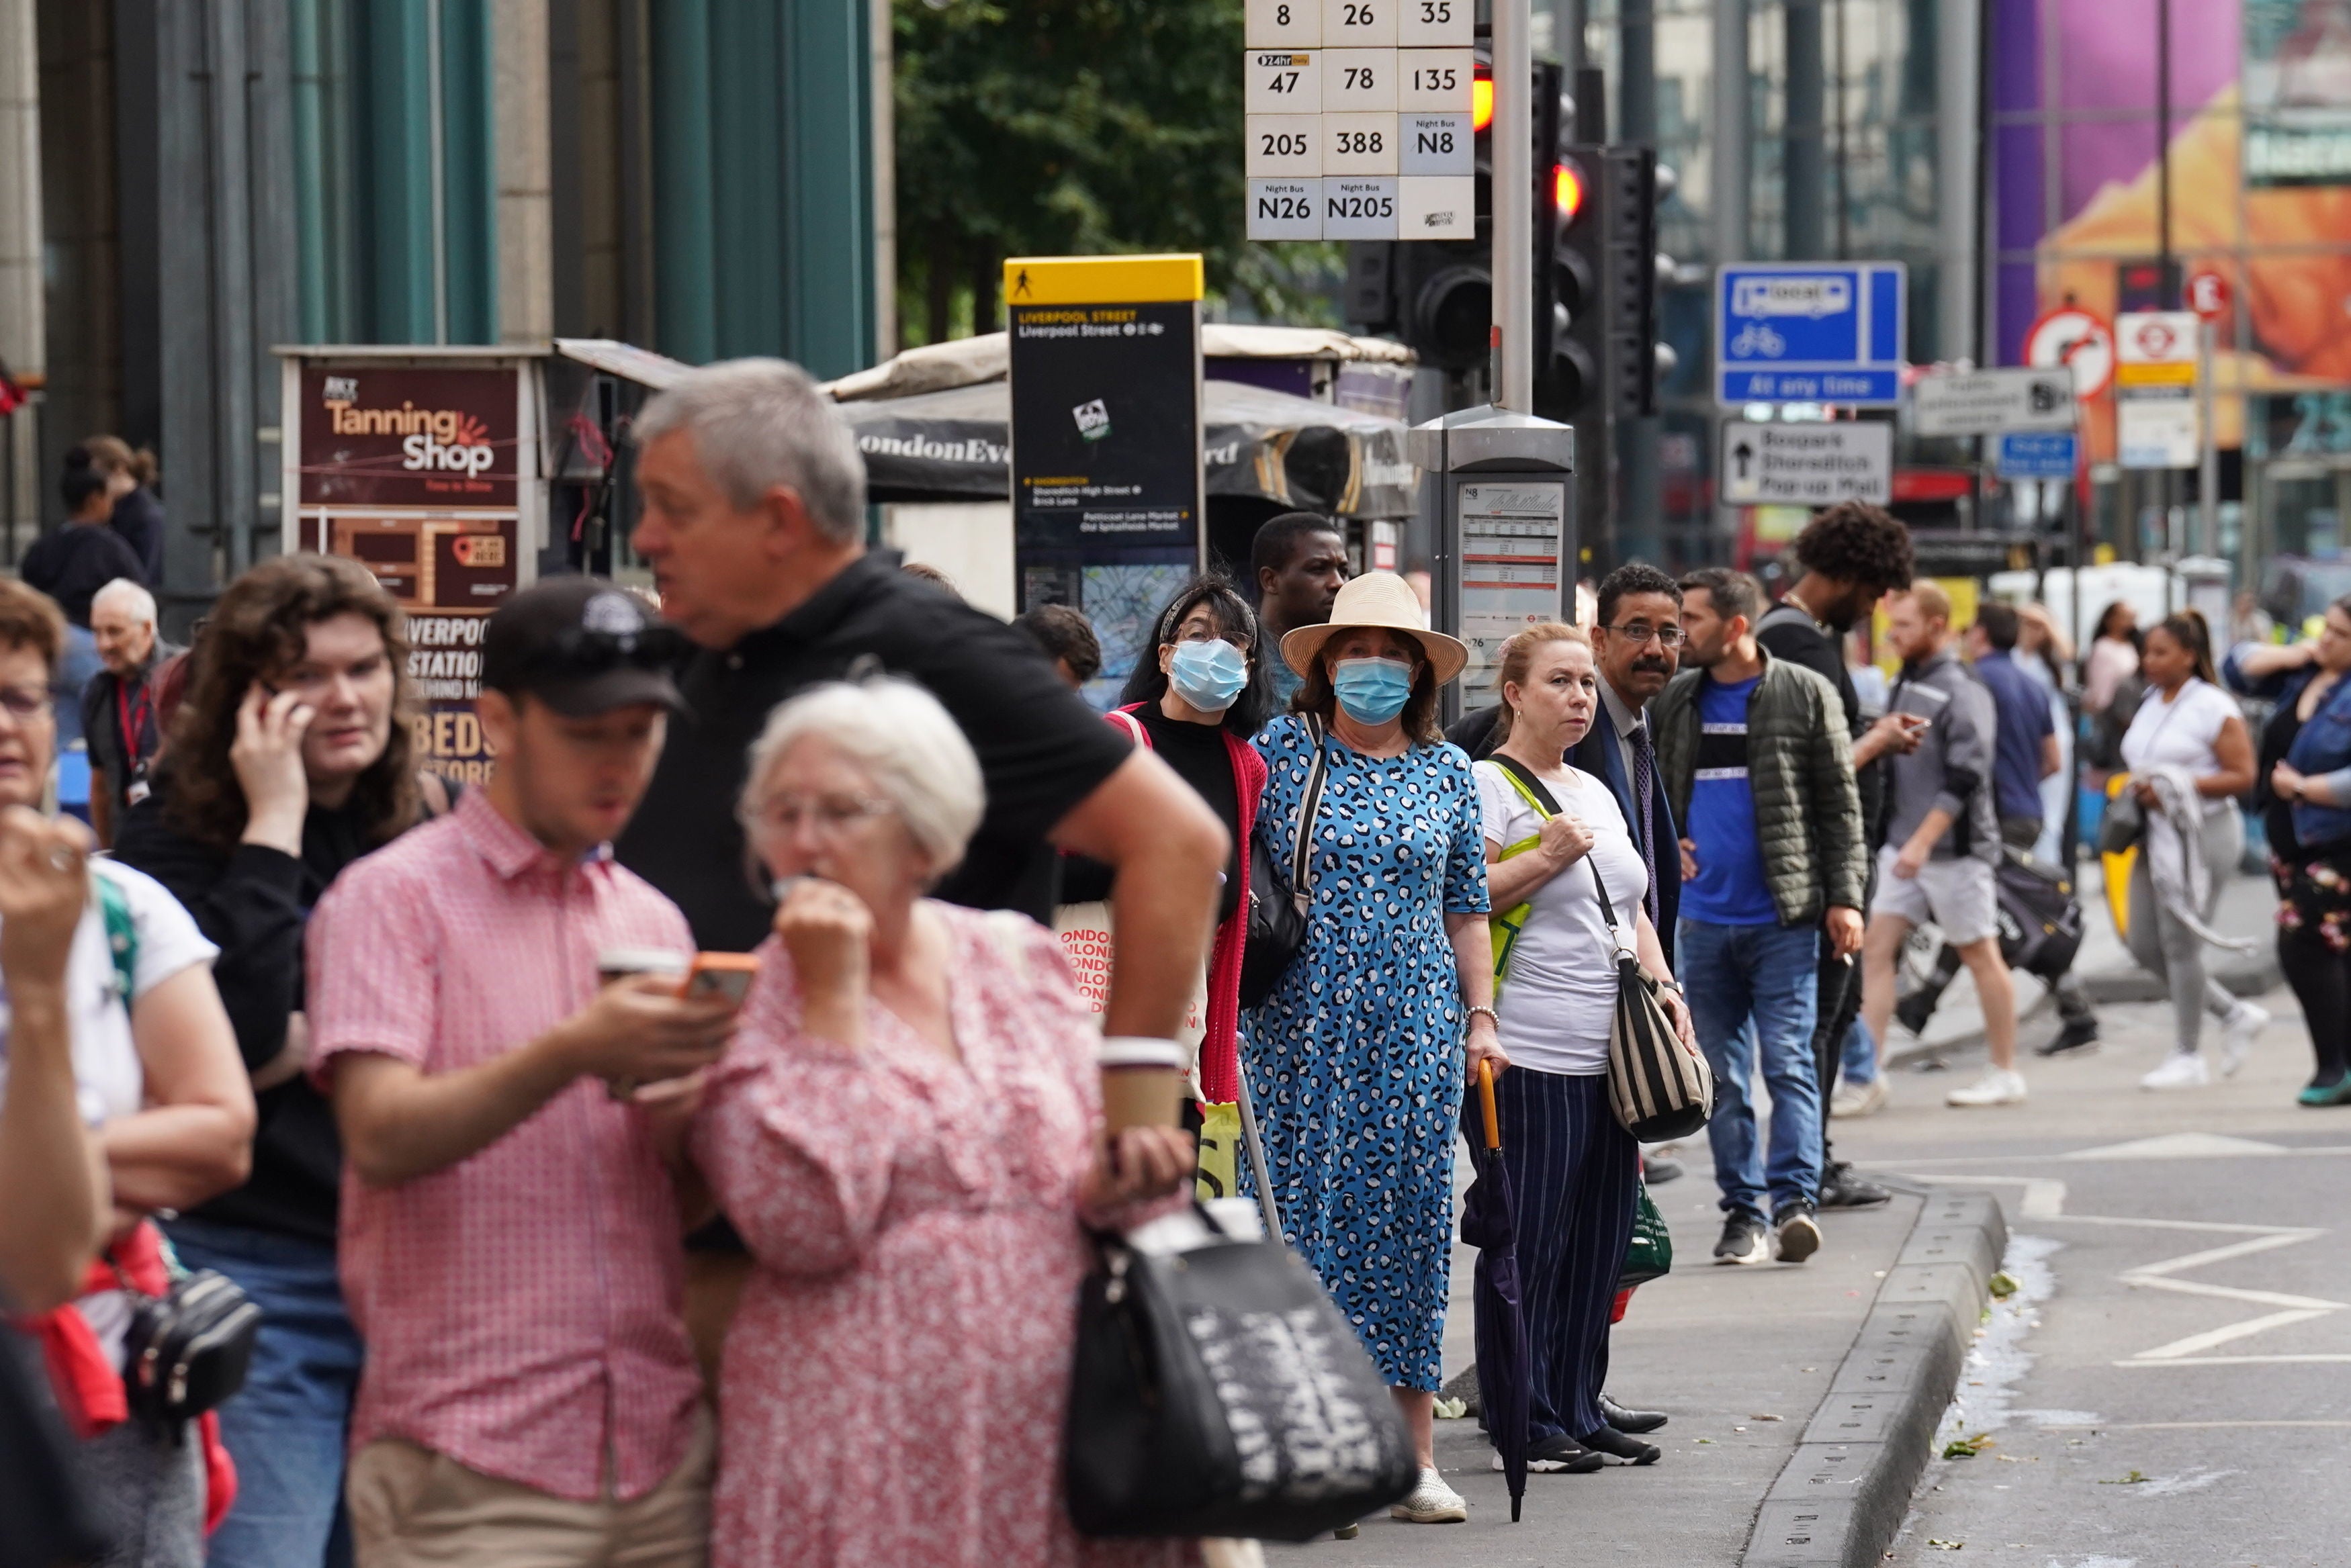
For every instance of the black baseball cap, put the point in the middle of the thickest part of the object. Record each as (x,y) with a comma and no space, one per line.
(582,645)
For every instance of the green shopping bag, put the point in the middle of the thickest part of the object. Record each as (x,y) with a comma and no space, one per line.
(1650,1255)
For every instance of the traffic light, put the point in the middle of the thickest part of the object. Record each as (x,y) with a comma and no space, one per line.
(1437,296)
(1596,285)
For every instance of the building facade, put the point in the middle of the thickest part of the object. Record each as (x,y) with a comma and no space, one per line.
(704,178)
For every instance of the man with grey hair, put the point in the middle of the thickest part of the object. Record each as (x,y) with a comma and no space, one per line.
(117,706)
(754,523)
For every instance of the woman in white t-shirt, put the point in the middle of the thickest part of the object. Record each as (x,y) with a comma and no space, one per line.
(1573,1170)
(2188,722)
(158,1078)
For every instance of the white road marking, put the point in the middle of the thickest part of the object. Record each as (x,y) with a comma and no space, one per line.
(2211,1338)
(2281,1237)
(2252,1151)
(2176,1426)
(2179,1145)
(2324,1360)
(2231,1292)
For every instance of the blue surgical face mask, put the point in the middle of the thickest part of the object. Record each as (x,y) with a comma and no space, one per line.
(1371,691)
(1208,675)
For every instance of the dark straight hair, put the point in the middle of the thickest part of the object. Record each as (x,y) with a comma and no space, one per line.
(1236,622)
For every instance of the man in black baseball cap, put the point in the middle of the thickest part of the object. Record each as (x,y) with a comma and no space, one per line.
(577,692)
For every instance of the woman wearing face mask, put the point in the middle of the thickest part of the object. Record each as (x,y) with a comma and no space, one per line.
(1357,1060)
(1553,833)
(1197,704)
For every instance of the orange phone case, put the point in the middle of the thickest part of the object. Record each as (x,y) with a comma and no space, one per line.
(727,973)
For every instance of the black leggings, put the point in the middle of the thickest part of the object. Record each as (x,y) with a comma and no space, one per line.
(2321,978)
(2313,949)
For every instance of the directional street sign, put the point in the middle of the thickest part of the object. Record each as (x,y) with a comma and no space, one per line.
(2038,454)
(2073,338)
(1806,464)
(1805,332)
(1986,402)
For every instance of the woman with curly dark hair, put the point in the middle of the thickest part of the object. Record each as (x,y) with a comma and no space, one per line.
(290,757)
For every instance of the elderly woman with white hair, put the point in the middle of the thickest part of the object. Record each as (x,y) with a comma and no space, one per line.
(907,1131)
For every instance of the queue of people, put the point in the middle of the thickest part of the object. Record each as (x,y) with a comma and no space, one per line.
(736,982)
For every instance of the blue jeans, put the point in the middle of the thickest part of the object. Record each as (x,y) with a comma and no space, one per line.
(1750,987)
(1858,1065)
(287,1429)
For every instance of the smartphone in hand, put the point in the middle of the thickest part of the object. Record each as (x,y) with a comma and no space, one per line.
(720,974)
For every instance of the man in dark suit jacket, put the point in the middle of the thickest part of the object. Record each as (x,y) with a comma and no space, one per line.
(1638,647)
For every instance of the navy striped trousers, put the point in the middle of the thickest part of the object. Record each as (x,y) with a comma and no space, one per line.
(1575,1174)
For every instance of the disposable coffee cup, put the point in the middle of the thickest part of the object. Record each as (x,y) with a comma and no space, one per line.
(619,963)
(1142,1082)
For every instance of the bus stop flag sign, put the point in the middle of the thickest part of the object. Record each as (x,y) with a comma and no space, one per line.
(1802,332)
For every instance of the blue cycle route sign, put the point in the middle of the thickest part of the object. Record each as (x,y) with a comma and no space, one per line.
(1809,332)
(2038,454)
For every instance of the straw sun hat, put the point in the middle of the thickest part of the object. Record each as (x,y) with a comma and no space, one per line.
(1381,600)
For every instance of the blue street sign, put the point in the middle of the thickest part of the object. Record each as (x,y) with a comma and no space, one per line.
(2038,454)
(1809,332)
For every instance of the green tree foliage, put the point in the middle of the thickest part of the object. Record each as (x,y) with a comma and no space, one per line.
(1074,128)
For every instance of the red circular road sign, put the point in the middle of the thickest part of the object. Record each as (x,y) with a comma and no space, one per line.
(2208,296)
(2072,337)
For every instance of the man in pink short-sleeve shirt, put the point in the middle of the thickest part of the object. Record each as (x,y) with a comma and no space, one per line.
(510,1230)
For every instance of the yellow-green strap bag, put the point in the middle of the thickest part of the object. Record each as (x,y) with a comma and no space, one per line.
(1507,924)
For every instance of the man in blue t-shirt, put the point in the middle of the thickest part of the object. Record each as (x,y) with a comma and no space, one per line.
(1757,765)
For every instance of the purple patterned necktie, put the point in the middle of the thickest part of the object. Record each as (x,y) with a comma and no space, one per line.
(1644,776)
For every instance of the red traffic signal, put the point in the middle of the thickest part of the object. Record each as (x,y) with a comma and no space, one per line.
(1566,190)
(1482,100)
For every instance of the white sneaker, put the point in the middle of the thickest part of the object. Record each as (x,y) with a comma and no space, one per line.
(1860,1099)
(2181,1070)
(1431,1502)
(2238,1034)
(1998,1086)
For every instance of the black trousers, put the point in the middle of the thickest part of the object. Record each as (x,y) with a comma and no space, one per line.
(1576,1174)
(2314,913)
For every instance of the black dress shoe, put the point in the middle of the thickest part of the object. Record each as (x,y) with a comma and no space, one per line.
(1658,1172)
(1633,1422)
(2078,1035)
(1625,1450)
(1841,1189)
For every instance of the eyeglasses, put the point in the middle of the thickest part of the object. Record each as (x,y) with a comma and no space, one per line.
(1641,631)
(25,703)
(831,815)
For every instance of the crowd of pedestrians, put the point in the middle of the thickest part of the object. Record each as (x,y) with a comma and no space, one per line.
(549,1197)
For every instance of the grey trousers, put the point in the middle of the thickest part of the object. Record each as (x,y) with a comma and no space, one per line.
(2168,949)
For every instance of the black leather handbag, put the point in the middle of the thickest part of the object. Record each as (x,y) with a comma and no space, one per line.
(188,1350)
(1278,895)
(1218,1392)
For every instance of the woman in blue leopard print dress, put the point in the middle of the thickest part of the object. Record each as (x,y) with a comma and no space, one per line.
(1356,1061)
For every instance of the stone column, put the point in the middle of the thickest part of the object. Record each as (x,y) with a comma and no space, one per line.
(519,53)
(24,327)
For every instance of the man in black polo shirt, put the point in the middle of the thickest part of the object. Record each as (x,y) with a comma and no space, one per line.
(754,523)
(1853,555)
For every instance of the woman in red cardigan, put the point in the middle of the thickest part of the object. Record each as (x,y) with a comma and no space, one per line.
(1195,701)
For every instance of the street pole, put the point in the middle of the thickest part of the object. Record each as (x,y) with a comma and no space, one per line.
(1514,209)
(2207,473)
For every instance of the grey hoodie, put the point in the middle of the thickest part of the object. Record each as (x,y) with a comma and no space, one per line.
(1952,766)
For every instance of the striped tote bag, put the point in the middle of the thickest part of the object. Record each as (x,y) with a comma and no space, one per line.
(1659,1088)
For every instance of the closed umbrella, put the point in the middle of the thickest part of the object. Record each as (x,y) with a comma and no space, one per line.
(1489,1224)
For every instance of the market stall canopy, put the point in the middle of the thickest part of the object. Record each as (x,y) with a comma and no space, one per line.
(967,362)
(952,445)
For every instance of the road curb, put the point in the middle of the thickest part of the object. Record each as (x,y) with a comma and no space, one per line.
(1840,1497)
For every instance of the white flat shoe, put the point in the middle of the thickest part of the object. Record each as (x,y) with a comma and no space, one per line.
(2182,1070)
(1431,1502)
(1998,1086)
(2238,1034)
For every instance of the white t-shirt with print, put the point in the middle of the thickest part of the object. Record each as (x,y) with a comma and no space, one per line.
(108,1078)
(2180,733)
(1560,994)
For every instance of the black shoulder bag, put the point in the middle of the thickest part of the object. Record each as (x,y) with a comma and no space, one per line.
(1279,895)
(1218,1392)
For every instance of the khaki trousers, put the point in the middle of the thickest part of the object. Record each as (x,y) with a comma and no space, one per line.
(412,1508)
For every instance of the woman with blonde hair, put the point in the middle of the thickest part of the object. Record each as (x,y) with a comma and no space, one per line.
(1567,882)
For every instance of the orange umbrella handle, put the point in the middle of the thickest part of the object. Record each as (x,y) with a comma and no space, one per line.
(1486,1103)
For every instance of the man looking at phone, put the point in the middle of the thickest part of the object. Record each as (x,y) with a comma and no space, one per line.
(497,1141)
(1942,838)
(1853,555)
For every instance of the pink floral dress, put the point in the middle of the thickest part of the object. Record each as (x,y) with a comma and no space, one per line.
(897,1372)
